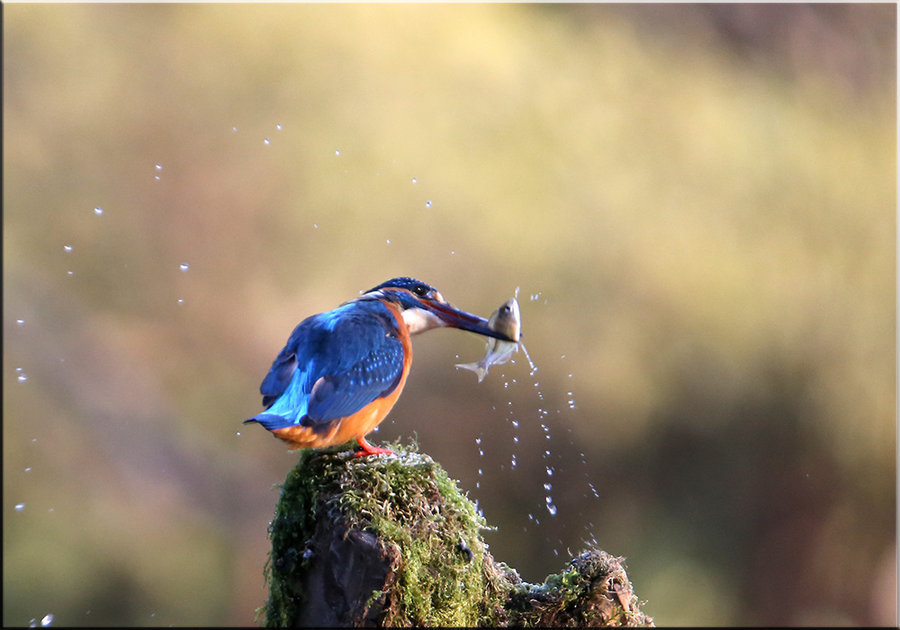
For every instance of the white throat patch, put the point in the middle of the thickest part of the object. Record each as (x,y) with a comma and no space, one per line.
(419,320)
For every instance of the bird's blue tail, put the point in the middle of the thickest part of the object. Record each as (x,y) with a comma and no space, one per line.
(270,421)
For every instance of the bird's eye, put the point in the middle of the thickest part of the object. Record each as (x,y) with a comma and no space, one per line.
(420,290)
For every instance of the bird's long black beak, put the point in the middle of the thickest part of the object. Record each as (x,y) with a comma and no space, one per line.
(456,318)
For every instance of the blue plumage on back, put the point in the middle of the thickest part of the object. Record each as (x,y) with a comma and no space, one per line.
(333,365)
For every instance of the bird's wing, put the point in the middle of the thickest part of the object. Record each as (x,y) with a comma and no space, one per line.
(347,359)
(343,392)
(282,370)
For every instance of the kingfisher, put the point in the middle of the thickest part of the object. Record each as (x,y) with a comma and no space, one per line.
(340,372)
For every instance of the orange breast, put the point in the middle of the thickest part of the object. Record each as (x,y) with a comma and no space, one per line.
(359,424)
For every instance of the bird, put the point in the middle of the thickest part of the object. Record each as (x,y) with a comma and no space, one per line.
(341,371)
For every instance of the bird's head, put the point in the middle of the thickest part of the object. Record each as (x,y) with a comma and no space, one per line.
(423,307)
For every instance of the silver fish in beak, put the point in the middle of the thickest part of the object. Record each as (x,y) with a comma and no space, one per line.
(507,321)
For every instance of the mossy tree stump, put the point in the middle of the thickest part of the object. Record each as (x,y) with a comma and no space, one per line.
(390,541)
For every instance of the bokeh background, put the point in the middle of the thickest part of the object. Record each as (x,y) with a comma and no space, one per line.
(696,202)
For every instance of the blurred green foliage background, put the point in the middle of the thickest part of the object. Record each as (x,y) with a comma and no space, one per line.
(697,201)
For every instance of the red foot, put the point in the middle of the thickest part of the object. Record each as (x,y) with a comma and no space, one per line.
(368,449)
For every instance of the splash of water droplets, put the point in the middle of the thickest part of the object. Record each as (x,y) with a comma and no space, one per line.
(550,506)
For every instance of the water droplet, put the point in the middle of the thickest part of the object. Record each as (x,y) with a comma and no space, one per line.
(181,300)
(279,127)
(185,267)
(67,248)
(28,469)
(316,226)
(20,322)
(70,273)
(22,377)
(549,471)
(158,167)
(267,141)
(428,203)
(478,440)
(515,424)
(480,472)
(548,487)
(47,620)
(98,210)
(516,439)
(550,507)
(337,152)
(452,253)
(20,507)
(513,462)
(388,241)
(234,128)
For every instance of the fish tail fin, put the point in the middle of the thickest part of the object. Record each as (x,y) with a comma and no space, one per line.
(475,367)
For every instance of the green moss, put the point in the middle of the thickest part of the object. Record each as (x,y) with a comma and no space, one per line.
(592,590)
(293,525)
(437,570)
(411,504)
